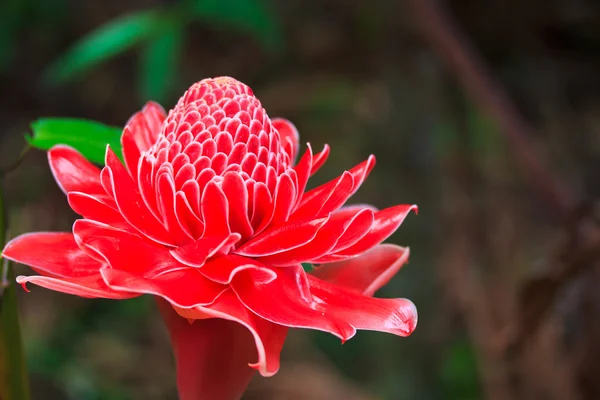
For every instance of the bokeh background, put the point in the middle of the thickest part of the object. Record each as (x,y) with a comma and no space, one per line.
(484,113)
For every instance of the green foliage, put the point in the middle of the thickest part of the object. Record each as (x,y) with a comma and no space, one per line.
(104,43)
(88,137)
(160,33)
(159,61)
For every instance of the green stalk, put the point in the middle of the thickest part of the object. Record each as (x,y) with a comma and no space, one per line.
(14,382)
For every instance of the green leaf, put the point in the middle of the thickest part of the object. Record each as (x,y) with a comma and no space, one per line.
(307,267)
(250,16)
(88,137)
(106,42)
(158,63)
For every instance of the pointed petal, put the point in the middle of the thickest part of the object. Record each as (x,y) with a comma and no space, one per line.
(54,254)
(97,208)
(285,195)
(92,287)
(281,238)
(290,138)
(141,132)
(319,159)
(130,202)
(303,173)
(325,198)
(361,171)
(395,316)
(185,288)
(123,250)
(386,222)
(367,272)
(286,301)
(165,195)
(73,172)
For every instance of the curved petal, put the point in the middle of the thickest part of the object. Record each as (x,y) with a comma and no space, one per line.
(223,269)
(54,254)
(196,253)
(386,222)
(319,159)
(141,132)
(123,250)
(290,138)
(368,272)
(73,172)
(281,238)
(97,209)
(185,288)
(130,202)
(92,287)
(396,316)
(287,301)
(325,198)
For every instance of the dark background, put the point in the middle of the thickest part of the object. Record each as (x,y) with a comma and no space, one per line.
(484,113)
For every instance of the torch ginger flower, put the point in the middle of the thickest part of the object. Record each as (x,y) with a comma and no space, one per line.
(209,213)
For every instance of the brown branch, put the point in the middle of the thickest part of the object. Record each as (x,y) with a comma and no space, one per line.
(460,56)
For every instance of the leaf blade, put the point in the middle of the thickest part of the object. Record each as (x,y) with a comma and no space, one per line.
(88,137)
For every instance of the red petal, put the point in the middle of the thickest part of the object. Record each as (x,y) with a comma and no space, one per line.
(73,172)
(54,254)
(367,272)
(286,301)
(165,195)
(356,223)
(325,198)
(303,173)
(361,171)
(237,196)
(386,222)
(396,316)
(186,217)
(215,211)
(281,238)
(290,138)
(185,288)
(223,269)
(95,208)
(285,195)
(130,202)
(123,250)
(196,253)
(141,132)
(92,287)
(319,159)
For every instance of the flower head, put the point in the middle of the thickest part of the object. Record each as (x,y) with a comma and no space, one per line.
(210,213)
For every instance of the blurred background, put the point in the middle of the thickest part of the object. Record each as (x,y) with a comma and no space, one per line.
(484,113)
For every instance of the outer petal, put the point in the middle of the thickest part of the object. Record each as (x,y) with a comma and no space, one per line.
(54,254)
(185,288)
(123,250)
(67,268)
(140,133)
(396,316)
(290,138)
(73,172)
(92,287)
(367,272)
(294,306)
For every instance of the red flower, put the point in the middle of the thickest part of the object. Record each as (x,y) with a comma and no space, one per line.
(210,215)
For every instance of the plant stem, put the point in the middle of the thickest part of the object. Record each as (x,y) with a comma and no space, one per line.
(14,382)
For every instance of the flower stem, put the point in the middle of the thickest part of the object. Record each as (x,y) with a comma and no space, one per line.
(14,382)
